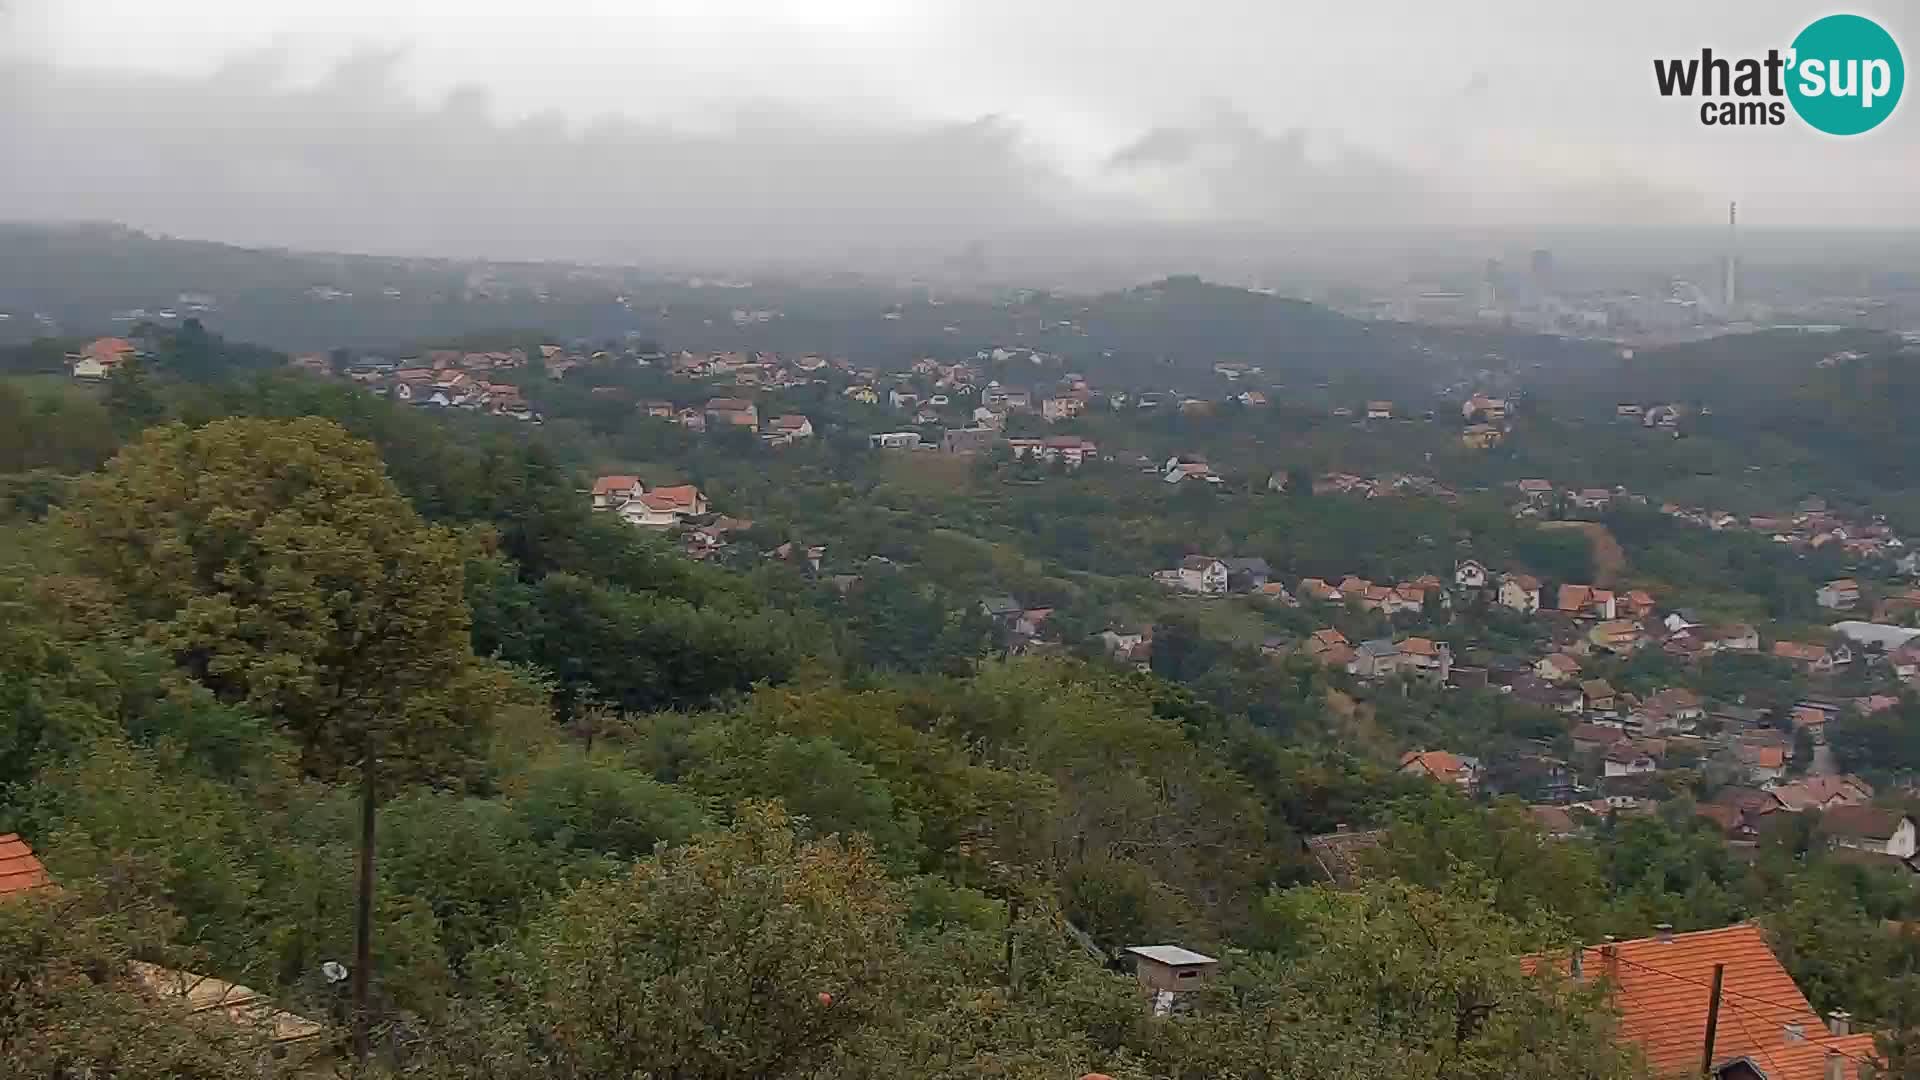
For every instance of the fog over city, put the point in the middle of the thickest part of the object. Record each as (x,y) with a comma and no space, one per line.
(590,129)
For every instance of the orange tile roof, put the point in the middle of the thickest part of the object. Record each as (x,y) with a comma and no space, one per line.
(1662,989)
(19,869)
(679,494)
(607,485)
(1574,597)
(1439,764)
(1794,650)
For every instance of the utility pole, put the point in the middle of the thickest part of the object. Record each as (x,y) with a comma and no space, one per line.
(363,917)
(1713,1020)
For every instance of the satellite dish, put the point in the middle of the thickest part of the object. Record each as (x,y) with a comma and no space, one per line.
(334,971)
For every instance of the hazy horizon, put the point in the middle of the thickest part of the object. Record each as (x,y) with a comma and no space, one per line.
(628,133)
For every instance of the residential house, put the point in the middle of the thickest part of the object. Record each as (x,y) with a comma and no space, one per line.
(1811,719)
(1002,609)
(1733,637)
(1540,693)
(732,412)
(1521,592)
(1672,709)
(1487,408)
(1427,659)
(1555,822)
(1470,574)
(865,395)
(1557,667)
(1329,647)
(1120,641)
(1822,793)
(20,870)
(1838,595)
(1247,575)
(1591,499)
(664,507)
(658,410)
(692,419)
(1376,659)
(609,492)
(1763,764)
(1905,661)
(1585,601)
(1624,758)
(791,428)
(1379,410)
(1871,829)
(1591,738)
(1753,803)
(1073,450)
(1056,409)
(1178,470)
(98,358)
(1600,695)
(1660,987)
(968,440)
(1636,604)
(1441,766)
(1480,437)
(1737,827)
(1032,622)
(894,440)
(1813,658)
(1536,492)
(1617,635)
(1316,589)
(1203,574)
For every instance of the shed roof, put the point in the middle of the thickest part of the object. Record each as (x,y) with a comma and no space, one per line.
(1170,955)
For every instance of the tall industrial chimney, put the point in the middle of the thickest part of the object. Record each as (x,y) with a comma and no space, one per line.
(1730,290)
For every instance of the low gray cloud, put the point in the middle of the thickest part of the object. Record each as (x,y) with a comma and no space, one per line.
(353,162)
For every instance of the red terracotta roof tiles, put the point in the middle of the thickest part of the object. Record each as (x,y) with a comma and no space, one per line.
(19,869)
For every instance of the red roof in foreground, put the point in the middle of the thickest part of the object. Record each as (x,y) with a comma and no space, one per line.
(1662,989)
(19,870)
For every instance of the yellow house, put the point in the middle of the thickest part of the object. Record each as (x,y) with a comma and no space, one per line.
(1480,436)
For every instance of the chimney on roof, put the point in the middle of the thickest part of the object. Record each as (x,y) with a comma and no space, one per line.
(1836,1065)
(1579,965)
(1664,932)
(1840,1022)
(1609,958)
(1793,1033)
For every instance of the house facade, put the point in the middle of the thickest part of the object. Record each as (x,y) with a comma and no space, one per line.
(1203,574)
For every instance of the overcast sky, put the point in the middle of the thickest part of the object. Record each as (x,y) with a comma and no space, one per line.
(585,127)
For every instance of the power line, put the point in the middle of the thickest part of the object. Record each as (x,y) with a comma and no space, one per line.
(1801,1009)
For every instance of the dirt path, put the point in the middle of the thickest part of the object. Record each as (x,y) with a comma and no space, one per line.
(1609,561)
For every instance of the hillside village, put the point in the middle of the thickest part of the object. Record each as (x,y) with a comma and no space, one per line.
(1619,751)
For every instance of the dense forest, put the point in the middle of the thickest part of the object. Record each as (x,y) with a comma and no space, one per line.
(638,814)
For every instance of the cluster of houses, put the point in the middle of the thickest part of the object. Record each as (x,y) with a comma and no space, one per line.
(627,498)
(1811,527)
(1381,658)
(1205,575)
(442,378)
(1373,487)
